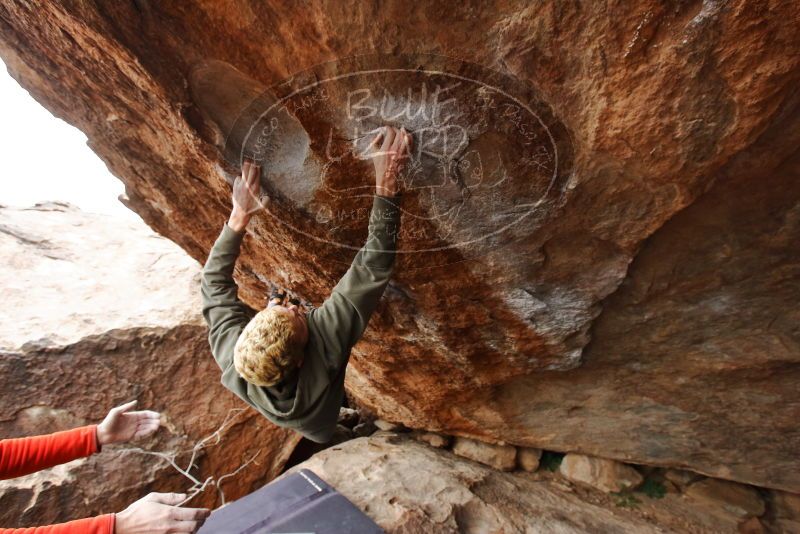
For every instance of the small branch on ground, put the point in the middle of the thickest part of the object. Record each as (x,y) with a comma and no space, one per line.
(198,487)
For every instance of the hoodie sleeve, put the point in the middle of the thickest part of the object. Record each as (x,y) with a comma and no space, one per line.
(343,317)
(224,313)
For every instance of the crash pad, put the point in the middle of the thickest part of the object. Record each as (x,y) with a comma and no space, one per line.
(297,503)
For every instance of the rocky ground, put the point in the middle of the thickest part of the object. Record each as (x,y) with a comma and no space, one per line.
(410,482)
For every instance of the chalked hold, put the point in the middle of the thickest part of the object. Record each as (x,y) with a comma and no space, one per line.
(488,166)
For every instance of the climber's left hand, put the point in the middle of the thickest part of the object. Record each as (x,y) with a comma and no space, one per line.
(246,191)
(121,424)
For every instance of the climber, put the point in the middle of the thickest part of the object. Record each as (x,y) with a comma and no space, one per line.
(156,512)
(286,363)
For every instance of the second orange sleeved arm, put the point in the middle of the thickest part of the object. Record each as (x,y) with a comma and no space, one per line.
(103,524)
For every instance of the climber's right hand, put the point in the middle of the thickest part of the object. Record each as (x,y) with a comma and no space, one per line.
(389,151)
(158,513)
(246,192)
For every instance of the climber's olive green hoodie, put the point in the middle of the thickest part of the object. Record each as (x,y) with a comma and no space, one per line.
(309,400)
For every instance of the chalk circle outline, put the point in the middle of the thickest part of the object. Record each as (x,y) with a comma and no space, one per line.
(282,100)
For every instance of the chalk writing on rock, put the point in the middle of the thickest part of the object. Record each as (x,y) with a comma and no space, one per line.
(488,163)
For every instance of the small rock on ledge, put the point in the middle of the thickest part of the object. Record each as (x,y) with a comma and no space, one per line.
(725,496)
(528,458)
(600,473)
(440,441)
(502,457)
(387,426)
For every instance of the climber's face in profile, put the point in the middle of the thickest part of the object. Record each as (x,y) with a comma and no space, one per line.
(298,319)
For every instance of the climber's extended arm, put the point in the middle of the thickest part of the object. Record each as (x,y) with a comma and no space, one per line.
(355,297)
(344,315)
(224,313)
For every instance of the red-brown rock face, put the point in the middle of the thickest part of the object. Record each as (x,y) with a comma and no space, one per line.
(599,248)
(98,312)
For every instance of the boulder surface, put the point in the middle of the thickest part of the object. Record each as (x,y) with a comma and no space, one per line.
(600,226)
(408,486)
(97,312)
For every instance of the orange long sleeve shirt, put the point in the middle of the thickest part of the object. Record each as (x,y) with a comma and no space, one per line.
(22,456)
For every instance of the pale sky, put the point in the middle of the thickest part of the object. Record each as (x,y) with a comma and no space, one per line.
(44,158)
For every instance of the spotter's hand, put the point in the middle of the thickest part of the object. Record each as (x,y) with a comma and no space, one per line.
(158,513)
(121,424)
(389,152)
(246,192)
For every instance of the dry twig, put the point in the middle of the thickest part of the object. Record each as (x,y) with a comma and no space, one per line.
(199,487)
